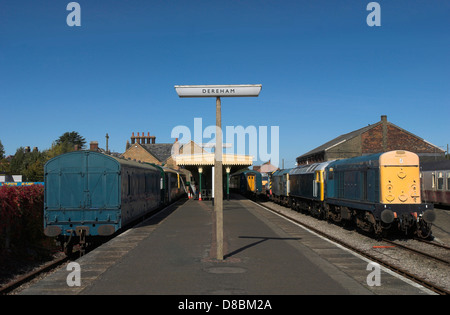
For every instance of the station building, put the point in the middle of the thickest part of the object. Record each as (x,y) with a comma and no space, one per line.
(381,136)
(190,158)
(145,149)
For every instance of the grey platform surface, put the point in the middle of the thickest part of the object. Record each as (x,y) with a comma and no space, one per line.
(173,253)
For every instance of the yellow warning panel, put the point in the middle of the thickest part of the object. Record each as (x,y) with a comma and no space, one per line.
(399,177)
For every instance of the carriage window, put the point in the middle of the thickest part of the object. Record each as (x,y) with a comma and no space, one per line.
(433,180)
(440,182)
(448,181)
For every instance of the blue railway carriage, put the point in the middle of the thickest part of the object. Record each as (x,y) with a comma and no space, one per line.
(378,192)
(89,195)
(174,184)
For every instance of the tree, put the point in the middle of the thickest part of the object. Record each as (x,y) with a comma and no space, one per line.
(4,166)
(73,138)
(58,149)
(2,150)
(28,164)
(18,163)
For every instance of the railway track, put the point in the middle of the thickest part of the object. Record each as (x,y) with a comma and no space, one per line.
(432,243)
(440,259)
(442,255)
(17,282)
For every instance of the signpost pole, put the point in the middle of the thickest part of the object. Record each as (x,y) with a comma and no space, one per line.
(218,181)
(218,91)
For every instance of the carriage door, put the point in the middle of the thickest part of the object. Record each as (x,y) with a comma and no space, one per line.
(288,185)
(316,182)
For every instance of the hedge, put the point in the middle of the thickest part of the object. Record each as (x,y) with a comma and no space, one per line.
(21,217)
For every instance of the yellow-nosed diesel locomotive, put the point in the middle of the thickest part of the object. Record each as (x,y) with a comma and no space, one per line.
(377,192)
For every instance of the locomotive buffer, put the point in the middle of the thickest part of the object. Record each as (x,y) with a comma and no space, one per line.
(218,91)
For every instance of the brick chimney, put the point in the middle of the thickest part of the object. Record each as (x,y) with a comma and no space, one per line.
(384,132)
(93,146)
(142,139)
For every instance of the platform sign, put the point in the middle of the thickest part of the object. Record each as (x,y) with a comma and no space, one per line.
(242,90)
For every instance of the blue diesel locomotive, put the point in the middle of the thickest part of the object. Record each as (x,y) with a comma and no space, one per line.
(377,192)
(247,182)
(90,195)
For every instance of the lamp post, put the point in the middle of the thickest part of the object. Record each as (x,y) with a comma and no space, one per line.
(218,91)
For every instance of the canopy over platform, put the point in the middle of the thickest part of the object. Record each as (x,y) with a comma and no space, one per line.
(208,159)
(201,166)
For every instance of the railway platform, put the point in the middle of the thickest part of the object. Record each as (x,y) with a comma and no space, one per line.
(172,253)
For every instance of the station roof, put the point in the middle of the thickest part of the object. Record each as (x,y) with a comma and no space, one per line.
(208,159)
(161,151)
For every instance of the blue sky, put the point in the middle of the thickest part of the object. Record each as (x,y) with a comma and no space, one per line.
(323,70)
